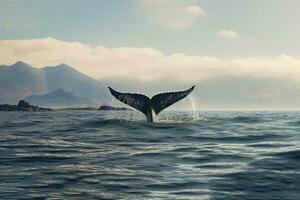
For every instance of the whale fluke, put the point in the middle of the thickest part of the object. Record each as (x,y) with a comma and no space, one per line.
(150,107)
(137,101)
(163,100)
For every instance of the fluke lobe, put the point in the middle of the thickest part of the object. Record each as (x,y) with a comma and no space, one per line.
(150,107)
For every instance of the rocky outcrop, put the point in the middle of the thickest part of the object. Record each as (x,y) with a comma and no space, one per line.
(7,107)
(22,106)
(113,108)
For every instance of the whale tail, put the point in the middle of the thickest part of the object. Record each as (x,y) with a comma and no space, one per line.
(150,107)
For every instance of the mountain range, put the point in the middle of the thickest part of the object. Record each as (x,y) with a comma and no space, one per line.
(21,80)
(64,86)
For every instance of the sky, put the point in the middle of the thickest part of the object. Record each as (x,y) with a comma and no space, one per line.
(223,28)
(150,41)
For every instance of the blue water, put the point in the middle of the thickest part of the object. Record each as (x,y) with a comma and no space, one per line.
(116,155)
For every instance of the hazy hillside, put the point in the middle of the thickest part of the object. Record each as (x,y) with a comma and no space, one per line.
(59,98)
(222,92)
(21,80)
(248,93)
(64,76)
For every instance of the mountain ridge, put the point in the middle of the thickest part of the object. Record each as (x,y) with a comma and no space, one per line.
(20,80)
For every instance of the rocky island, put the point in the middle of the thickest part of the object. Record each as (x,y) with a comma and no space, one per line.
(22,106)
(107,108)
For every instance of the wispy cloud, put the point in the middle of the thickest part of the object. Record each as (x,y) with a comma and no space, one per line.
(228,34)
(173,14)
(143,64)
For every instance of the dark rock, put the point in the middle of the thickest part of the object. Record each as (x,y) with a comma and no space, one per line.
(114,108)
(7,107)
(22,106)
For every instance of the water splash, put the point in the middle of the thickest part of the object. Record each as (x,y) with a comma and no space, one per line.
(113,114)
(193,105)
(166,116)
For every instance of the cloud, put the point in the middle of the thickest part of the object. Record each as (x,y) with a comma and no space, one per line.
(195,10)
(228,34)
(142,64)
(172,14)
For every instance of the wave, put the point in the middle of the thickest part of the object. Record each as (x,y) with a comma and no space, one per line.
(246,119)
(97,155)
(291,155)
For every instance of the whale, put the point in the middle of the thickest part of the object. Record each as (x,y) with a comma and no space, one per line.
(150,107)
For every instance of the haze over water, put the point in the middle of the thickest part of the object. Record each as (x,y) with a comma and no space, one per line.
(117,155)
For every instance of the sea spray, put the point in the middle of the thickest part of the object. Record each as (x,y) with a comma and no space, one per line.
(113,114)
(195,115)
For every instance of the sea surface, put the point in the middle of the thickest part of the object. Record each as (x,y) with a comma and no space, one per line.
(117,155)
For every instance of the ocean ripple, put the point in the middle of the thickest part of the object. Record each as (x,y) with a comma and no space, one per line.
(117,155)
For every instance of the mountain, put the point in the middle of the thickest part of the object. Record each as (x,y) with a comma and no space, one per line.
(221,92)
(58,98)
(21,80)
(69,79)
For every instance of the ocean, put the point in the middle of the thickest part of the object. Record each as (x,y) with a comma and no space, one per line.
(117,155)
